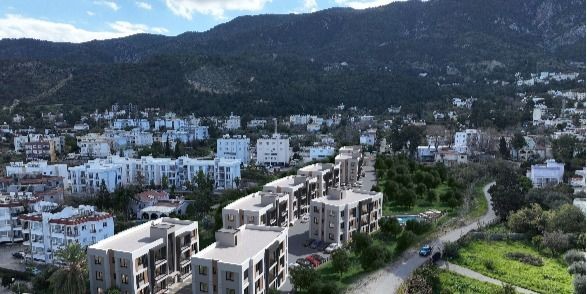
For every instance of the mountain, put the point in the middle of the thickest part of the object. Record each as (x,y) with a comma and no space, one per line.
(336,55)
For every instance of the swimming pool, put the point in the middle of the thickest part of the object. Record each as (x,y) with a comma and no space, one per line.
(402,219)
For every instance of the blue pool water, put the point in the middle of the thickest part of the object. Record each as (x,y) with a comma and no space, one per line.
(402,219)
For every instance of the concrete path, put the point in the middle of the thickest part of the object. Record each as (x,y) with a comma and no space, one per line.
(477,276)
(389,279)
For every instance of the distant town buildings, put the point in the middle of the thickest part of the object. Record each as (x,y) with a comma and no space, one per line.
(236,147)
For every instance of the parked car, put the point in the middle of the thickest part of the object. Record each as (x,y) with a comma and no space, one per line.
(312,260)
(314,244)
(425,250)
(19,255)
(331,247)
(308,242)
(323,246)
(305,219)
(304,262)
(319,258)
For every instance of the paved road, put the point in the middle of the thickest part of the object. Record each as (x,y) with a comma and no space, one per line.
(6,259)
(388,279)
(477,276)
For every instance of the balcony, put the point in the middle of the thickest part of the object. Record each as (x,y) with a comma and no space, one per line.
(160,261)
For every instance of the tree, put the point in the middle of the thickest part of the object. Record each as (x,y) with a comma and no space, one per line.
(527,220)
(507,194)
(579,284)
(303,277)
(341,261)
(567,218)
(503,148)
(550,197)
(360,241)
(167,151)
(103,197)
(405,239)
(324,287)
(71,278)
(374,257)
(390,226)
(518,142)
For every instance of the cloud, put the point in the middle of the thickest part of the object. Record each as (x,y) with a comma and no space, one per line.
(144,5)
(363,4)
(17,26)
(110,4)
(310,5)
(216,8)
(90,13)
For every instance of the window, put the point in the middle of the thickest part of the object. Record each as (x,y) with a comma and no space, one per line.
(316,209)
(124,279)
(97,260)
(315,220)
(230,291)
(203,287)
(251,219)
(230,217)
(123,262)
(104,224)
(331,225)
(99,276)
(246,275)
(203,270)
(229,276)
(331,236)
(259,267)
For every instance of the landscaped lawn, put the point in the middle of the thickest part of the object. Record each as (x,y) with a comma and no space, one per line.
(455,283)
(480,256)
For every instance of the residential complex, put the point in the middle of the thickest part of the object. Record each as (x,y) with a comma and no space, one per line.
(260,208)
(300,190)
(46,232)
(342,213)
(327,175)
(236,147)
(148,258)
(245,260)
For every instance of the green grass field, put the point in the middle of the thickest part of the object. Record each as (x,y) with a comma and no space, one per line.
(454,283)
(479,205)
(552,277)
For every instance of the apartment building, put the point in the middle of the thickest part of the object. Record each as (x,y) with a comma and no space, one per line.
(46,232)
(327,176)
(246,260)
(37,168)
(42,150)
(321,152)
(260,208)
(300,190)
(125,123)
(368,137)
(94,146)
(11,206)
(543,175)
(56,141)
(233,122)
(336,217)
(466,139)
(236,147)
(350,159)
(87,178)
(147,258)
(273,151)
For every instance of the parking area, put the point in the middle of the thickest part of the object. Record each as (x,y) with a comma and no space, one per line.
(6,258)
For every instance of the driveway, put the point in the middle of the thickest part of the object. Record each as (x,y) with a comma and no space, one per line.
(389,279)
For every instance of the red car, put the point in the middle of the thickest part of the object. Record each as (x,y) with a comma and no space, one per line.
(313,261)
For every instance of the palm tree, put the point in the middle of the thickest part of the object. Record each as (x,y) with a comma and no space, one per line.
(71,278)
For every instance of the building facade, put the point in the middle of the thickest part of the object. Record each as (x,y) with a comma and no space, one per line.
(260,208)
(327,176)
(300,190)
(350,159)
(543,175)
(273,151)
(236,147)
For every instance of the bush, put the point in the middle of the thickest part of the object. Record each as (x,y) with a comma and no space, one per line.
(577,268)
(489,264)
(418,227)
(574,255)
(374,257)
(405,240)
(525,258)
(579,284)
(508,289)
(556,241)
(451,250)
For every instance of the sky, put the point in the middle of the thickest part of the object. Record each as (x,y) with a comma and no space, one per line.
(85,20)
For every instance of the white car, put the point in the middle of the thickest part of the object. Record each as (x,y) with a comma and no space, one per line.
(331,248)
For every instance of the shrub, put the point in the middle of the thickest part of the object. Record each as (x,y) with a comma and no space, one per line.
(418,227)
(451,250)
(508,289)
(525,258)
(577,267)
(405,239)
(579,284)
(556,241)
(573,256)
(489,264)
(374,257)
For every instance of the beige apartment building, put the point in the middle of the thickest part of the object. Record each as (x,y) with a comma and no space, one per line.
(148,258)
(260,208)
(300,189)
(327,175)
(350,159)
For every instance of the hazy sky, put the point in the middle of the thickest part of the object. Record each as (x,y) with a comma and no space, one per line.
(84,20)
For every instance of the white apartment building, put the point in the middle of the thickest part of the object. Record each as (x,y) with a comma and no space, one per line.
(148,258)
(170,123)
(233,122)
(236,147)
(124,123)
(300,189)
(47,232)
(321,152)
(88,177)
(12,205)
(465,140)
(56,142)
(260,208)
(543,175)
(350,159)
(273,151)
(132,138)
(336,217)
(368,137)
(327,176)
(38,168)
(249,259)
(94,146)
(298,119)
(257,123)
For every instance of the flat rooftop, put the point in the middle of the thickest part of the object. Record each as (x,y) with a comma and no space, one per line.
(138,236)
(349,196)
(251,202)
(316,167)
(251,240)
(288,181)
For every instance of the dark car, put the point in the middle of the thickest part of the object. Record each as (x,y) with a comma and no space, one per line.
(425,250)
(19,255)
(323,246)
(304,262)
(308,242)
(314,244)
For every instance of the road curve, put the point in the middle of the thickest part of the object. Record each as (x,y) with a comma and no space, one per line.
(389,278)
